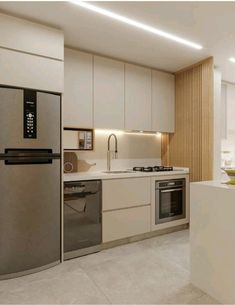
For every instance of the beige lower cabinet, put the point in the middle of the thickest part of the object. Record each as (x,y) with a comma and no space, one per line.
(124,193)
(126,207)
(124,223)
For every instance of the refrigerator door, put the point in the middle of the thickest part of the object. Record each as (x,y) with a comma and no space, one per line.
(12,120)
(30,214)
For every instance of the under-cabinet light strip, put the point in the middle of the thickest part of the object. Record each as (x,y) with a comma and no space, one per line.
(132,132)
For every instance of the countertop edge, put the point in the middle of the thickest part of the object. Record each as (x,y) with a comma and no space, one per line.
(105,176)
(213,184)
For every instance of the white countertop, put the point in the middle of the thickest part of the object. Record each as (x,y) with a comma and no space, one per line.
(215,183)
(104,176)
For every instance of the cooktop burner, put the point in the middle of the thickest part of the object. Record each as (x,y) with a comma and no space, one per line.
(153,168)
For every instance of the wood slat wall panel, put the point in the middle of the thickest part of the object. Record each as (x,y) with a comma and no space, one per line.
(192,143)
(165,149)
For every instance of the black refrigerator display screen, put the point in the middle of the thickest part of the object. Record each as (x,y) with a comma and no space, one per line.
(30,114)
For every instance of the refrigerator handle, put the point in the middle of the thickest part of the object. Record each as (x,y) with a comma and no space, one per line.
(25,160)
(28,156)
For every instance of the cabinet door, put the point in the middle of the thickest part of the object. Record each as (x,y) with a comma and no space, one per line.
(163,101)
(137,98)
(30,71)
(77,100)
(123,193)
(125,223)
(30,37)
(108,93)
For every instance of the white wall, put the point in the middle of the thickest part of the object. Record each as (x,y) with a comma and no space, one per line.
(217,125)
(228,125)
(133,150)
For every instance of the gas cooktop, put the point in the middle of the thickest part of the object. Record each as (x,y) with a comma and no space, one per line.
(153,168)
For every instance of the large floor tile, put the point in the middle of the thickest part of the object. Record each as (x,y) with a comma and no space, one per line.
(62,288)
(205,299)
(139,278)
(152,271)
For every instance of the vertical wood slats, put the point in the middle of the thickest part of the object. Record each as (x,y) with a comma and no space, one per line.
(165,148)
(192,143)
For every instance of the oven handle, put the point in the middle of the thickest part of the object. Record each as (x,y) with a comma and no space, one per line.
(171,190)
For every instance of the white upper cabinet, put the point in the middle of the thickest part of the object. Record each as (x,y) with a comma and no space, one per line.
(42,73)
(26,36)
(137,98)
(31,55)
(78,91)
(163,101)
(108,93)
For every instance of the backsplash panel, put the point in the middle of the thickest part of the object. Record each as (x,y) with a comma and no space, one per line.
(133,150)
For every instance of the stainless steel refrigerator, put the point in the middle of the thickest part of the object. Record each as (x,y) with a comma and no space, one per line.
(30,181)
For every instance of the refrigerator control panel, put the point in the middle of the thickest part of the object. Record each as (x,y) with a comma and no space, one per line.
(30,114)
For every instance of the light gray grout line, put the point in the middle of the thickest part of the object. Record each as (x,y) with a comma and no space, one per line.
(201,295)
(94,282)
(98,287)
(114,303)
(33,54)
(207,295)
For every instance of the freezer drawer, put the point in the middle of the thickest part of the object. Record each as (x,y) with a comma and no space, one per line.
(30,214)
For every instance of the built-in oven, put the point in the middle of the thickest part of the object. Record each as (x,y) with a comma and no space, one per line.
(170,200)
(82,218)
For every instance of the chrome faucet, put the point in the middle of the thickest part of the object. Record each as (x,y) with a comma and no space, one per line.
(110,152)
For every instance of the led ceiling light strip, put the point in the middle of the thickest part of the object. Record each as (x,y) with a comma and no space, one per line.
(136,24)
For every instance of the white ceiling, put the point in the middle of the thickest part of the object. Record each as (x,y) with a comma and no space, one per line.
(211,24)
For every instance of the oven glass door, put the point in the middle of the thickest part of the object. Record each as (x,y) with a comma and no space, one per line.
(170,204)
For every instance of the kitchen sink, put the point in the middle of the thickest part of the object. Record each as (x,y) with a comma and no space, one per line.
(119,172)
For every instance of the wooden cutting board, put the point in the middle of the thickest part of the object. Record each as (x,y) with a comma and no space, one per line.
(70,162)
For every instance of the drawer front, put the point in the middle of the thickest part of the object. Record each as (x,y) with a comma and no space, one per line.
(124,193)
(125,223)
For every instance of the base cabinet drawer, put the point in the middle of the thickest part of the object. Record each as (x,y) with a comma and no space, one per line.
(125,193)
(125,223)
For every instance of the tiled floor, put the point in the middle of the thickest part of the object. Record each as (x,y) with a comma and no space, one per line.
(153,271)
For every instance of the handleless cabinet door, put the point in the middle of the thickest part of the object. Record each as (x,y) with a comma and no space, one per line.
(163,101)
(77,102)
(124,193)
(108,93)
(30,71)
(137,98)
(125,223)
